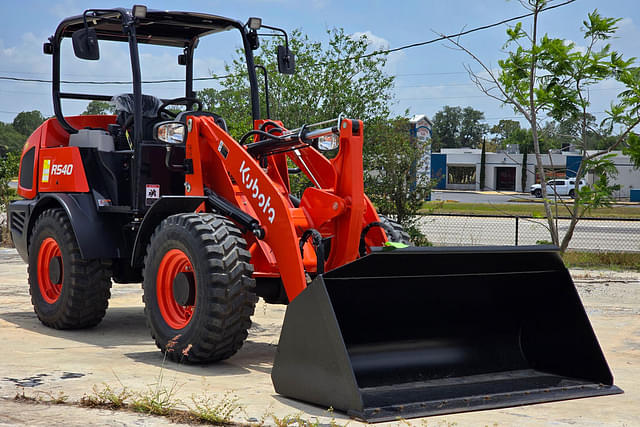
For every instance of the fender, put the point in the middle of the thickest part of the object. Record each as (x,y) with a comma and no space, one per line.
(161,209)
(97,235)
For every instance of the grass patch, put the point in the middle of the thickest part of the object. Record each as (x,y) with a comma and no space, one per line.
(603,260)
(106,397)
(296,419)
(42,397)
(520,209)
(206,409)
(157,399)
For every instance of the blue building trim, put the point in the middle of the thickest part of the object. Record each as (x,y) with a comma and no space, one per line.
(439,170)
(573,164)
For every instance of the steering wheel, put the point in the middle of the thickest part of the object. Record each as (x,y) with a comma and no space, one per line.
(187,101)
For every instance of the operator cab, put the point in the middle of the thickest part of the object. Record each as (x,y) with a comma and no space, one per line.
(124,156)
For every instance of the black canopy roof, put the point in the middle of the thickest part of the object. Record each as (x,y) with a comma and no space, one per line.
(166,28)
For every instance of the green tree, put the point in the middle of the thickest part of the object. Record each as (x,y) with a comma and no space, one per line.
(10,139)
(99,107)
(504,129)
(483,165)
(455,127)
(471,130)
(27,121)
(525,169)
(553,76)
(633,149)
(391,185)
(330,79)
(446,127)
(8,171)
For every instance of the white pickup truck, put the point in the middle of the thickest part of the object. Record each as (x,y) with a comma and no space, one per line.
(561,187)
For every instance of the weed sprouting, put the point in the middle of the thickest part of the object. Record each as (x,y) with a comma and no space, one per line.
(106,397)
(42,397)
(56,399)
(157,399)
(296,419)
(22,397)
(221,412)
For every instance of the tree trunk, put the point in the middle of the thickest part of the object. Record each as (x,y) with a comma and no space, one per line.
(553,231)
(523,177)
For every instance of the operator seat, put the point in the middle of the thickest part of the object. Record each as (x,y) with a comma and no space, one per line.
(124,111)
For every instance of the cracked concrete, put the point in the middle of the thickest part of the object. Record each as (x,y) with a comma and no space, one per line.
(40,361)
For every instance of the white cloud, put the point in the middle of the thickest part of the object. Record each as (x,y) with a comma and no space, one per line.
(379,43)
(625,23)
(576,47)
(372,40)
(25,59)
(67,8)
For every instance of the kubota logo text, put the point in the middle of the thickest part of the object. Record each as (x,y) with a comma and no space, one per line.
(252,186)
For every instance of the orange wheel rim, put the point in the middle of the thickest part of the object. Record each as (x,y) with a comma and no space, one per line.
(49,253)
(173,263)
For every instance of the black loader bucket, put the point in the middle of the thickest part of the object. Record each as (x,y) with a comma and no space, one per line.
(425,331)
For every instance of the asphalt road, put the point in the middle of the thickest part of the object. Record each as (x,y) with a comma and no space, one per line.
(491,197)
(479,196)
(589,235)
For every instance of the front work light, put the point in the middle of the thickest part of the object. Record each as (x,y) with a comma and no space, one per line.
(140,11)
(254,23)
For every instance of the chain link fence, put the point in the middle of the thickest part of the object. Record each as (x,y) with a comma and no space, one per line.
(590,235)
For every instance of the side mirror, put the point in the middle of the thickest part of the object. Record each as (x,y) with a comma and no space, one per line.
(85,44)
(328,142)
(286,61)
(170,132)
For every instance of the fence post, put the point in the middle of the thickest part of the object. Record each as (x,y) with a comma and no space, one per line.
(517,222)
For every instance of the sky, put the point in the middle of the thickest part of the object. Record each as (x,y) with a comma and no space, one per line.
(426,78)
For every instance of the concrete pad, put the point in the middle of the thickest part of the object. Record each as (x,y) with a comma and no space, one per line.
(40,361)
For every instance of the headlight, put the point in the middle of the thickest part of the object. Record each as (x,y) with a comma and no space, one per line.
(170,132)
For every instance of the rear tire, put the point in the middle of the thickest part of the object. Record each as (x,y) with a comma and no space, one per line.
(198,291)
(67,291)
(395,232)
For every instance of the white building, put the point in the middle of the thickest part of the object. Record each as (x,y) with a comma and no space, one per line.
(504,171)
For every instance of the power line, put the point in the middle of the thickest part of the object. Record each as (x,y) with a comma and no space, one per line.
(473,30)
(368,55)
(114,82)
(430,74)
(426,98)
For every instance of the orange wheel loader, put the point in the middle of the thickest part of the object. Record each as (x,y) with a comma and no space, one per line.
(208,225)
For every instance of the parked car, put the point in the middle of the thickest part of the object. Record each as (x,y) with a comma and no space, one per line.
(561,187)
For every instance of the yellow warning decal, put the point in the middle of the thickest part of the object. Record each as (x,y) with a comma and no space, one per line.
(46,165)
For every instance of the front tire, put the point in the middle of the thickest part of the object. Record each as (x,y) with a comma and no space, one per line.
(198,291)
(67,291)
(572,193)
(537,193)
